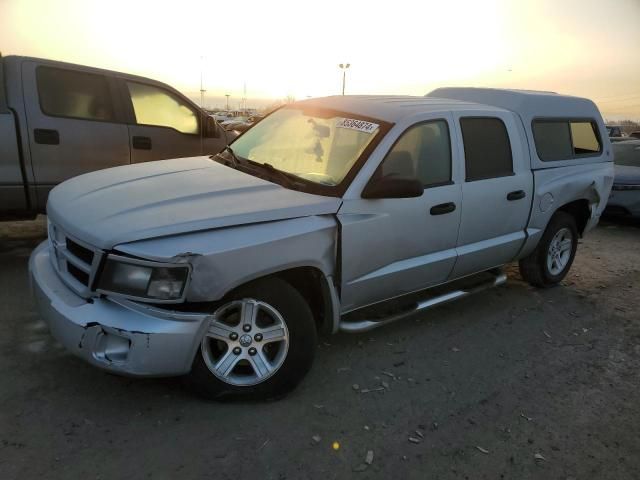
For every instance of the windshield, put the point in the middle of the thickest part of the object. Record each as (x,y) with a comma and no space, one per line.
(317,145)
(627,153)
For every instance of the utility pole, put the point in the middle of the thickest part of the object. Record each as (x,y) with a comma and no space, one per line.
(343,67)
(244,98)
(202,90)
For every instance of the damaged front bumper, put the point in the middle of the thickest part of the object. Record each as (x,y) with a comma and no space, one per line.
(117,335)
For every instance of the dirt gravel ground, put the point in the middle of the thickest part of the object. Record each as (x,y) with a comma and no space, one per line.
(512,383)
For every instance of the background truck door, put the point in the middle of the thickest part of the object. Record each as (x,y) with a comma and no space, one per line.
(74,124)
(164,124)
(12,192)
(395,246)
(497,191)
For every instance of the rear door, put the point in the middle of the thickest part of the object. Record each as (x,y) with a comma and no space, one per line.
(75,123)
(496,192)
(164,124)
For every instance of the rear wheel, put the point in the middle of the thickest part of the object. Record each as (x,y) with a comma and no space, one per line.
(550,262)
(259,344)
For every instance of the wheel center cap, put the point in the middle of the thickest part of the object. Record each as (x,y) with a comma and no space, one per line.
(245,340)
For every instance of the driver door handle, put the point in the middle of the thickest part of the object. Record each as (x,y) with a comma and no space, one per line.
(141,143)
(442,208)
(45,136)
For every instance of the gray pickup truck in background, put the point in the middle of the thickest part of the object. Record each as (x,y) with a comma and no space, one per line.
(331,214)
(59,120)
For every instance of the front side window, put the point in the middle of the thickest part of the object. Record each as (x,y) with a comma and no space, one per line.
(564,139)
(155,106)
(69,93)
(423,152)
(487,150)
(318,145)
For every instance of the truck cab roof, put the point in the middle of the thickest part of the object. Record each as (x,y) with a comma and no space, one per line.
(391,108)
(528,105)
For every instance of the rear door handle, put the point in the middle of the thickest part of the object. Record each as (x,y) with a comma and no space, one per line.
(442,208)
(44,136)
(141,143)
(517,195)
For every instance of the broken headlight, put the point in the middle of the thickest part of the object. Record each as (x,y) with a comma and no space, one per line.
(143,280)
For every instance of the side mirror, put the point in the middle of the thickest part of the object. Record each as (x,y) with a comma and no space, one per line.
(211,127)
(393,187)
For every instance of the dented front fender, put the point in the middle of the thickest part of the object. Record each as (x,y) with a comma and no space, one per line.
(224,259)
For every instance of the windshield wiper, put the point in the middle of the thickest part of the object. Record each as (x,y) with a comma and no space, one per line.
(236,161)
(287,178)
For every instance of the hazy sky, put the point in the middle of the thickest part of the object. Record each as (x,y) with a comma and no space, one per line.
(280,47)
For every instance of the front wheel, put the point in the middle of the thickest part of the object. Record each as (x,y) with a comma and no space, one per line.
(259,344)
(550,262)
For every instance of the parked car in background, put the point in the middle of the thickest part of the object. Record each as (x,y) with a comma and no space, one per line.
(236,125)
(255,118)
(59,120)
(635,134)
(242,125)
(223,116)
(331,214)
(615,131)
(625,193)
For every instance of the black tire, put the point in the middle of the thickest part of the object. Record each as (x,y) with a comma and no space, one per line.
(301,351)
(534,268)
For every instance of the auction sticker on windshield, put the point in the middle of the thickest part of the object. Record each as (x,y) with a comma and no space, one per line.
(359,125)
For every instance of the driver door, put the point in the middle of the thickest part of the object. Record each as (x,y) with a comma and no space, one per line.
(394,246)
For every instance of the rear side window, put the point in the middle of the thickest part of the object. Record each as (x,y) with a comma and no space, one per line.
(422,152)
(585,140)
(553,140)
(69,93)
(155,106)
(565,139)
(487,150)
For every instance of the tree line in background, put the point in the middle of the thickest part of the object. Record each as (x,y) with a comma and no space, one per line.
(628,126)
(277,104)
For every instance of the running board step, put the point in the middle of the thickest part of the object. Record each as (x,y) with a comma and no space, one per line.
(365,325)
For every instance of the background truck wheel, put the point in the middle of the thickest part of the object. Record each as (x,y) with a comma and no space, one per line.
(259,344)
(549,263)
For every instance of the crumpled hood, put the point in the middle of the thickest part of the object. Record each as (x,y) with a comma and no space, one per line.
(627,175)
(167,197)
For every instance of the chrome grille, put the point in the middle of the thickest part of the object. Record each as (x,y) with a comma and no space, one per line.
(75,261)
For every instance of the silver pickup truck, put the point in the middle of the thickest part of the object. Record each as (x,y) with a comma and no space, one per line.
(59,120)
(332,214)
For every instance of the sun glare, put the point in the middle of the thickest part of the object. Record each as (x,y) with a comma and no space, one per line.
(278,49)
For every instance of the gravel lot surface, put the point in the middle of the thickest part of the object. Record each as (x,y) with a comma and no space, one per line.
(512,383)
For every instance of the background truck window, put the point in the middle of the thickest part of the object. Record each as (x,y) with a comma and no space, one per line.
(422,152)
(69,93)
(154,106)
(487,150)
